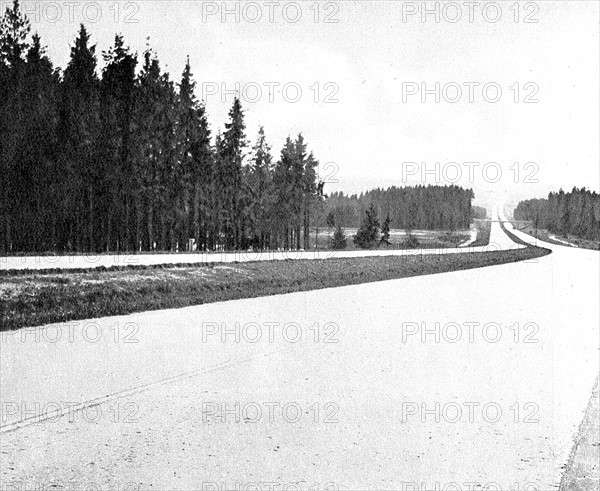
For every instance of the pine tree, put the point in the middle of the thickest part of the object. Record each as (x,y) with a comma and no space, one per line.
(260,185)
(79,137)
(339,242)
(232,155)
(330,220)
(37,159)
(385,232)
(122,204)
(193,139)
(310,189)
(14,45)
(366,237)
(14,33)
(152,123)
(203,177)
(283,183)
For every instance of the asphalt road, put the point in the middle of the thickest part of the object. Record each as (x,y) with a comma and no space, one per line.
(346,388)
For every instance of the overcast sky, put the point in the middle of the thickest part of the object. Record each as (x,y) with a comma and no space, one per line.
(373,57)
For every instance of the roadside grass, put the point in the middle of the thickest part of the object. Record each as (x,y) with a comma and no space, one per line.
(576,241)
(30,299)
(484,230)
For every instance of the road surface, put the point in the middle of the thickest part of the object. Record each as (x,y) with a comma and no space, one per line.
(344,388)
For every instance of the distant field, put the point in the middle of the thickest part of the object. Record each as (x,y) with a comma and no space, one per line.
(33,299)
(429,239)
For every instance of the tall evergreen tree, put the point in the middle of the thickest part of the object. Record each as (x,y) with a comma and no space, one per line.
(232,157)
(38,172)
(79,138)
(283,182)
(151,123)
(310,195)
(14,45)
(188,128)
(260,186)
(123,202)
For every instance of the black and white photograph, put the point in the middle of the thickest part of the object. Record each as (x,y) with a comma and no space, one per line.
(305,245)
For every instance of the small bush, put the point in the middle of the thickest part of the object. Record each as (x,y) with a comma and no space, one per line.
(411,242)
(339,242)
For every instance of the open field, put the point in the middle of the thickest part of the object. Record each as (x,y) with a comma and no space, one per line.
(428,239)
(31,299)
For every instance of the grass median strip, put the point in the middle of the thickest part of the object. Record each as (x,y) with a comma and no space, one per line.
(35,299)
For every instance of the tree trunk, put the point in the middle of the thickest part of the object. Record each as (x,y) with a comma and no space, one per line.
(150,225)
(91,219)
(196,214)
(138,222)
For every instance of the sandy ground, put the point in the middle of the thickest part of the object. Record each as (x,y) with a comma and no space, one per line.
(498,241)
(372,394)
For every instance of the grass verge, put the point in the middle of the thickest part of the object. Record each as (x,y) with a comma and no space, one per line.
(34,299)
(484,230)
(544,235)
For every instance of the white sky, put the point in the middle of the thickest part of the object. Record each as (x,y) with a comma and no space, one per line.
(369,53)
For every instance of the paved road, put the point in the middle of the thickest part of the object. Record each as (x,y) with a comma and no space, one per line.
(493,396)
(497,241)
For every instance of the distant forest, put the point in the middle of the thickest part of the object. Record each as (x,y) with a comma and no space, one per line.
(576,213)
(421,207)
(122,158)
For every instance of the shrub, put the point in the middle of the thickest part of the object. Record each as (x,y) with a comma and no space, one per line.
(366,237)
(411,242)
(339,242)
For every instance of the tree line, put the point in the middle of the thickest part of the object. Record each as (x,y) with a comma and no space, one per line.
(116,156)
(121,159)
(421,207)
(576,212)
